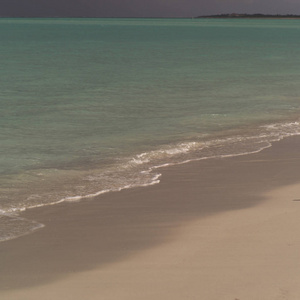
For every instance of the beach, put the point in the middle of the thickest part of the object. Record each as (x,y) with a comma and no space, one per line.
(84,112)
(222,228)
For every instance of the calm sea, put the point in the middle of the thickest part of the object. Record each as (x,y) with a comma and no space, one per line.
(94,105)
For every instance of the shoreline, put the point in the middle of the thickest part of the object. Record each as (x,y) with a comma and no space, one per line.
(118,232)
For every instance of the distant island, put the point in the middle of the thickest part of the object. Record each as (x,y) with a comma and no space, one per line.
(251,16)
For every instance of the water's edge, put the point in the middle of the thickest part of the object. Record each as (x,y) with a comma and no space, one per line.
(227,147)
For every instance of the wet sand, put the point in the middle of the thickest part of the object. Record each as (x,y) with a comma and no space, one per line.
(214,229)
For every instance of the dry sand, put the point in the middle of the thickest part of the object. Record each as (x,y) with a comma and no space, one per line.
(211,230)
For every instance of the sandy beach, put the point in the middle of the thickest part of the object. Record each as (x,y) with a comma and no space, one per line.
(215,229)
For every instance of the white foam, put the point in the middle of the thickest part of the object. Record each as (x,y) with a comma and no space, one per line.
(138,171)
(13,227)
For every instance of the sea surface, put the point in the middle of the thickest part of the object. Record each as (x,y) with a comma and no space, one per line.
(90,106)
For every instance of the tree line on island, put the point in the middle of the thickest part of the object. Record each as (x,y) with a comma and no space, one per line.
(254,16)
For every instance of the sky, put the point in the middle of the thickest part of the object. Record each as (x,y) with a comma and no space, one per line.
(143,8)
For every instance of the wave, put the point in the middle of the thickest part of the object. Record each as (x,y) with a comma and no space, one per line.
(13,227)
(142,170)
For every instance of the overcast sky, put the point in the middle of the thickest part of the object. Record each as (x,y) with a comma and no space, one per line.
(143,8)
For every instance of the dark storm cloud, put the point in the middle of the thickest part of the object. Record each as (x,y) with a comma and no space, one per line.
(144,8)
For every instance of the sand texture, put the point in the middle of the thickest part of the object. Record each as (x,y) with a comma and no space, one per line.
(211,230)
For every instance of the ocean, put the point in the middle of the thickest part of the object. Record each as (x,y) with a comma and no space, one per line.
(90,106)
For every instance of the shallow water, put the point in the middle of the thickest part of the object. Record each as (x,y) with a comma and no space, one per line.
(94,105)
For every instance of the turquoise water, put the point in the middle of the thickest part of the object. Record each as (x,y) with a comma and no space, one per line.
(94,105)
